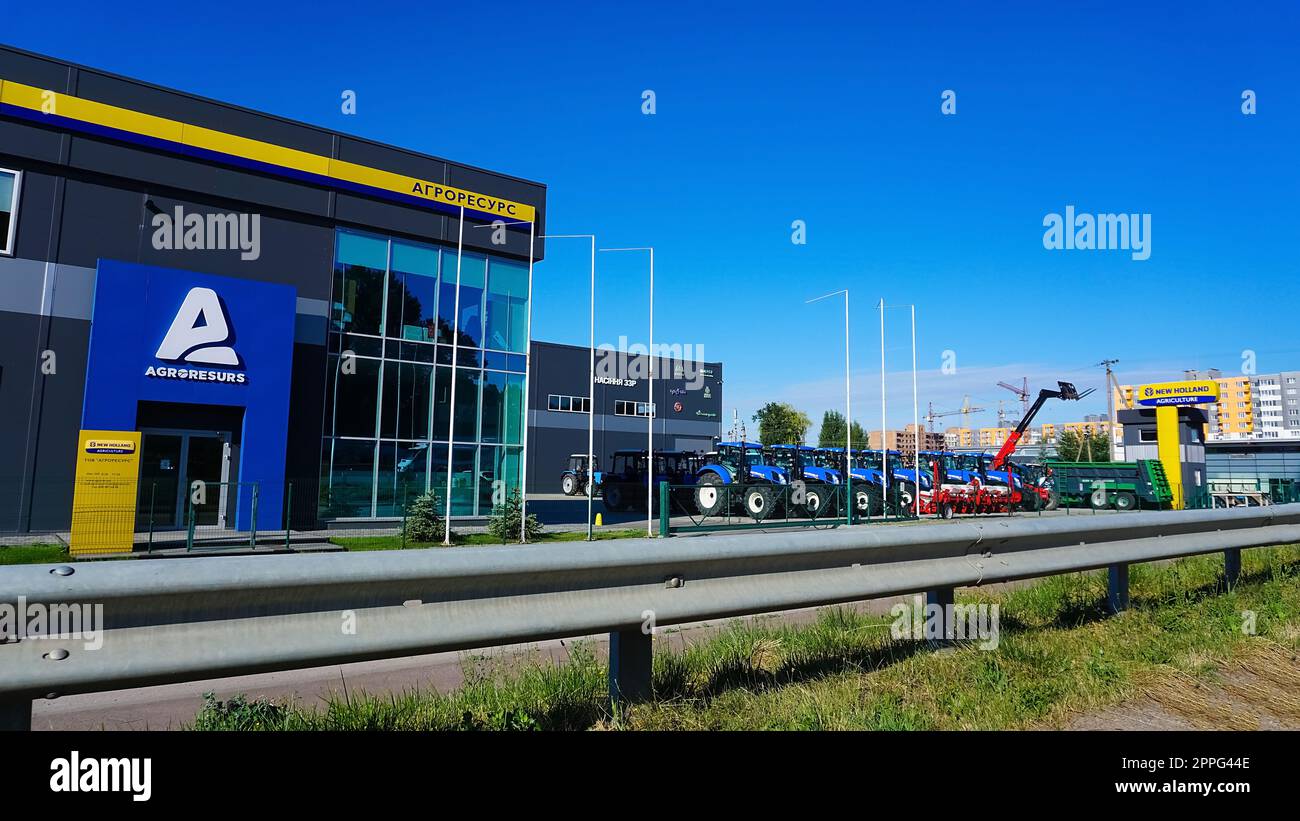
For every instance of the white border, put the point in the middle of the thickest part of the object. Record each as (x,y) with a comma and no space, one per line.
(8,250)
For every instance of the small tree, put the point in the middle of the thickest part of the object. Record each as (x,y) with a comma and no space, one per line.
(831,434)
(423,521)
(505,521)
(780,423)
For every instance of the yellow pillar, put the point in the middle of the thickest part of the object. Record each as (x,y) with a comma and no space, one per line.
(1168,449)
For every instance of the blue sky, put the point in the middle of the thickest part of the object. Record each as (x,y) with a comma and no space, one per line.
(830,115)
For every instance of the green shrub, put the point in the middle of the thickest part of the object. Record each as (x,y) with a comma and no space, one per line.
(423,521)
(240,714)
(505,524)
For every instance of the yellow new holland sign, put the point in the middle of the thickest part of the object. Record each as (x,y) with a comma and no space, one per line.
(1197,392)
(103,500)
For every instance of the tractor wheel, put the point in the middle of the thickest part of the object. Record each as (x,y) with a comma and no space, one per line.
(1030,500)
(1053,501)
(815,503)
(1125,501)
(946,510)
(569,484)
(615,499)
(759,503)
(868,501)
(710,495)
(1099,500)
(904,498)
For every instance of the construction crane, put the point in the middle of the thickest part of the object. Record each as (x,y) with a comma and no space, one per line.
(1022,392)
(965,410)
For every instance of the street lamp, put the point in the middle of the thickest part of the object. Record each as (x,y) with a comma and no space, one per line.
(650,411)
(848,414)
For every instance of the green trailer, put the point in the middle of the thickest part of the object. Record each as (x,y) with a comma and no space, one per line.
(1118,485)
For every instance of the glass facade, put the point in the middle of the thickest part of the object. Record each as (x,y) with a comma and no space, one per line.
(402,340)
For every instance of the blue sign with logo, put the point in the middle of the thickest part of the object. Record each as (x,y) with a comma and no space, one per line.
(166,335)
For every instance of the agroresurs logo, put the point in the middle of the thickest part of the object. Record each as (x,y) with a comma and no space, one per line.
(200,334)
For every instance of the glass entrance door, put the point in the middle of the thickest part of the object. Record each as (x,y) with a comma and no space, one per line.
(171,461)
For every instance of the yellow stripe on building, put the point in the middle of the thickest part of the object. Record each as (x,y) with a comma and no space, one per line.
(233,145)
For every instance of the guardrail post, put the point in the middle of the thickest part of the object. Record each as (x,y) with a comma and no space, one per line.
(631,662)
(1232,566)
(943,599)
(16,715)
(1117,599)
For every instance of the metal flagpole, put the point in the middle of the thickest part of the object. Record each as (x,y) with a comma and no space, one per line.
(650,411)
(916,426)
(884,451)
(455,339)
(528,360)
(591,400)
(650,426)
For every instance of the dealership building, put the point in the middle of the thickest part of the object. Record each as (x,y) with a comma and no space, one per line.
(309,320)
(686,406)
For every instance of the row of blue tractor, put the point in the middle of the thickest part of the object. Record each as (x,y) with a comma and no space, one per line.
(765,482)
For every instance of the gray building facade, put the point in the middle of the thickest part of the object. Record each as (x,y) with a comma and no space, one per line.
(687,407)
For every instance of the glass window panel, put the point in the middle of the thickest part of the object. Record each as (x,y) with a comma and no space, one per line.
(467,402)
(467,357)
(512,411)
(347,486)
(414,399)
(403,475)
(553,402)
(441,403)
(463,482)
(516,363)
(413,293)
(354,394)
(438,474)
(507,306)
(362,250)
(489,462)
(7,206)
(359,271)
(473,271)
(496,464)
(494,388)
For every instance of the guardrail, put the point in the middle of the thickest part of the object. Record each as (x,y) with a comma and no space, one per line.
(186,619)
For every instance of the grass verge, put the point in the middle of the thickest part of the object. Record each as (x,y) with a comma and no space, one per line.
(33,554)
(1059,656)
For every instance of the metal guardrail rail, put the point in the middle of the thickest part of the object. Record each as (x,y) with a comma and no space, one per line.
(187,619)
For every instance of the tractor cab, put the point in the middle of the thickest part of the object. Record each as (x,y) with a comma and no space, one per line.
(740,462)
(799,463)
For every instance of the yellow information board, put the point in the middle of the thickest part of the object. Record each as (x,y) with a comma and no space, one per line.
(103,501)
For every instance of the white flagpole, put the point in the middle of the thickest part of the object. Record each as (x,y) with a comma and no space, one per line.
(455,339)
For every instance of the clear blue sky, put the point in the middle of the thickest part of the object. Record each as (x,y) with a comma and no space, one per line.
(828,114)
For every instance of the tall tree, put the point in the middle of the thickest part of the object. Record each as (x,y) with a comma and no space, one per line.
(831,434)
(780,423)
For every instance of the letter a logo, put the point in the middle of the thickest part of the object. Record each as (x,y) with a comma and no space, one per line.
(199,332)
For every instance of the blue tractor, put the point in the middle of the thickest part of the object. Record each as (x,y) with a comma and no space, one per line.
(901,479)
(868,482)
(818,493)
(625,485)
(738,473)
